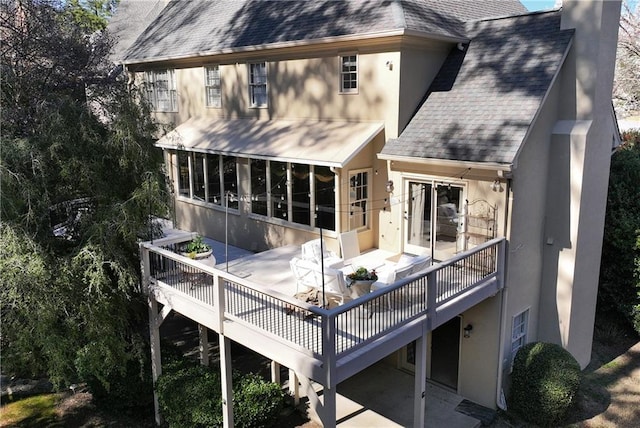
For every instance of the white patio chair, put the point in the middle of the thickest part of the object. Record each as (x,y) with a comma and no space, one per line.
(420,263)
(349,245)
(303,273)
(311,251)
(400,272)
(334,285)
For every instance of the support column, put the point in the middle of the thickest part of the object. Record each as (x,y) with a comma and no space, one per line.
(420,380)
(329,407)
(156,362)
(294,387)
(275,372)
(226,380)
(204,344)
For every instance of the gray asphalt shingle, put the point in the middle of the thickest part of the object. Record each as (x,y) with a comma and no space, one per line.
(189,28)
(483,100)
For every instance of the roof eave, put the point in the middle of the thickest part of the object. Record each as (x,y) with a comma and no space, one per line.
(300,43)
(489,166)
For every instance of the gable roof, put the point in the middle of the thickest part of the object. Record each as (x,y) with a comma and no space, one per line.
(193,28)
(484,99)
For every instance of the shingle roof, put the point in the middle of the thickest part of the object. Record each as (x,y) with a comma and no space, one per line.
(483,100)
(129,21)
(188,28)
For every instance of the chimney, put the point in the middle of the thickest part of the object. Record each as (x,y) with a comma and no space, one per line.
(596,25)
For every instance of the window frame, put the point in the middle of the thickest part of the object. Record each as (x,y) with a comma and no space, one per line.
(151,84)
(280,201)
(343,73)
(207,161)
(519,338)
(253,85)
(208,86)
(363,202)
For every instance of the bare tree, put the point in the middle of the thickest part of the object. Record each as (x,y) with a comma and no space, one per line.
(626,90)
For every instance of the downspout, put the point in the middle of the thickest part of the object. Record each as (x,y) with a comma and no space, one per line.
(500,399)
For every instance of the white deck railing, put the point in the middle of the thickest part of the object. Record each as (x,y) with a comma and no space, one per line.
(322,333)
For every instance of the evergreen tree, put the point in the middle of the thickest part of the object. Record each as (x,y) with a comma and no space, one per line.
(79,183)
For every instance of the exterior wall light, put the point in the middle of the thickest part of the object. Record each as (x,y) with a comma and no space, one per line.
(390,186)
(467,330)
(496,186)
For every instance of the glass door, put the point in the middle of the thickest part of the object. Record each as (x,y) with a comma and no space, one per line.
(418,218)
(448,222)
(433,222)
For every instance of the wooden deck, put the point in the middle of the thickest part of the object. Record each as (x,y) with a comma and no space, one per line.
(253,304)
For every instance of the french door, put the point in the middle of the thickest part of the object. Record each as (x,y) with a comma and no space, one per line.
(433,221)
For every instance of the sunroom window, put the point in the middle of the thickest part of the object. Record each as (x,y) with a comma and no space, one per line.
(285,192)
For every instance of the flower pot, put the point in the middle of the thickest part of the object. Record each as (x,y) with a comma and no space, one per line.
(198,256)
(360,287)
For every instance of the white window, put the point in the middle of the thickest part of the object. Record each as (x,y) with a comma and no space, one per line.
(258,84)
(213,93)
(358,199)
(160,87)
(349,73)
(519,332)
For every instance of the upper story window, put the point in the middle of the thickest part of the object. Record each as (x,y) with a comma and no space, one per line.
(160,87)
(358,199)
(213,93)
(519,332)
(349,73)
(258,84)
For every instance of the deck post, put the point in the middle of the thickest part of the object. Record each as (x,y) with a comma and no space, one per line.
(154,327)
(275,372)
(156,362)
(226,380)
(328,415)
(419,394)
(203,336)
(294,387)
(432,294)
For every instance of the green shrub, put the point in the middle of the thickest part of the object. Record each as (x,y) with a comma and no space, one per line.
(544,383)
(257,403)
(619,286)
(190,396)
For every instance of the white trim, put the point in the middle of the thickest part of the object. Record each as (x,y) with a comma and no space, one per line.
(342,73)
(205,69)
(489,166)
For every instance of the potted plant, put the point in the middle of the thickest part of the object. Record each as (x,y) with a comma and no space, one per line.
(360,281)
(197,249)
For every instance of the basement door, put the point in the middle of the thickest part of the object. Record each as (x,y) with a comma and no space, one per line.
(445,353)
